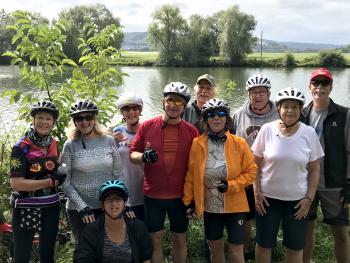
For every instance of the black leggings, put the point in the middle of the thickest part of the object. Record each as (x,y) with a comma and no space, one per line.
(23,238)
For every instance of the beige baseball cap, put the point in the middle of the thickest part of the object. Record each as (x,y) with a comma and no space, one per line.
(207,77)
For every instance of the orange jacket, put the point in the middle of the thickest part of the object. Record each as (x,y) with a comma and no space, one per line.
(241,172)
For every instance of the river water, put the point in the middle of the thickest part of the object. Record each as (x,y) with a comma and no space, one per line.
(149,82)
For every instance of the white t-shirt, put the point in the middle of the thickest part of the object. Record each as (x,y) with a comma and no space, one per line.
(285,160)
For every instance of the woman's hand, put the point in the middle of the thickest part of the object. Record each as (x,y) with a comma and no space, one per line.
(260,203)
(303,207)
(119,137)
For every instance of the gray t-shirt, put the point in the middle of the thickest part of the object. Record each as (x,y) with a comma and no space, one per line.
(133,173)
(116,253)
(215,171)
(88,169)
(316,121)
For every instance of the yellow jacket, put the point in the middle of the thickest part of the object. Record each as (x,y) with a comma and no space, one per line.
(241,171)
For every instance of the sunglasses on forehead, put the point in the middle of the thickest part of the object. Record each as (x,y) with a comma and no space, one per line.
(177,102)
(216,113)
(82,118)
(323,82)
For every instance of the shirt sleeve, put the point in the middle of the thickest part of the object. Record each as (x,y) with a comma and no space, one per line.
(316,148)
(69,190)
(258,146)
(18,163)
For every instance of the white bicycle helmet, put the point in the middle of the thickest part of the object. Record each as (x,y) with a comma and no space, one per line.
(257,80)
(179,89)
(215,105)
(129,99)
(290,94)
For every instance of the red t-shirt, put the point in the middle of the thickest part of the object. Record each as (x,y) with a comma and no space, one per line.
(164,180)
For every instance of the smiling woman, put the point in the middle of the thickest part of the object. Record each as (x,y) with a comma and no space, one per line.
(33,179)
(91,158)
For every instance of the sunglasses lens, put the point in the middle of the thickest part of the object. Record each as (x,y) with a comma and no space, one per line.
(81,118)
(175,101)
(221,113)
(217,113)
(323,83)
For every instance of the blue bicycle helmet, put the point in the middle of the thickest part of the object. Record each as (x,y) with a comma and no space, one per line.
(113,186)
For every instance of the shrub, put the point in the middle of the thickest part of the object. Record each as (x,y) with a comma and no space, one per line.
(331,58)
(289,60)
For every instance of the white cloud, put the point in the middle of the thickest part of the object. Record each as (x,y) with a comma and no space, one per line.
(321,21)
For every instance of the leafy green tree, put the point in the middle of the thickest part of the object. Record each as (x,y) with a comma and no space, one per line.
(45,67)
(7,34)
(77,17)
(165,32)
(236,34)
(331,58)
(199,43)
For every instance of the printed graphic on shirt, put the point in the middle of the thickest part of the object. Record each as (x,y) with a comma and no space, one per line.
(15,163)
(35,168)
(50,165)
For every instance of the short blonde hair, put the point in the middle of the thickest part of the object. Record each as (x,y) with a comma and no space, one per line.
(74,134)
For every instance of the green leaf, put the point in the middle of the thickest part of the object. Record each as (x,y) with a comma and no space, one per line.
(70,62)
(10,54)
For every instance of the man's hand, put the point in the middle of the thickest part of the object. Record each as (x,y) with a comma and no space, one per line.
(87,215)
(149,155)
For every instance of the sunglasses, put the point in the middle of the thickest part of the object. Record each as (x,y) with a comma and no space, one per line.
(131,108)
(82,118)
(216,113)
(177,102)
(324,82)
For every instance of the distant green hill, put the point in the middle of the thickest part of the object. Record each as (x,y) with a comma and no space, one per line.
(137,41)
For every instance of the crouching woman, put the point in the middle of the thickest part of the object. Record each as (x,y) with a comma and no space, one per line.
(113,237)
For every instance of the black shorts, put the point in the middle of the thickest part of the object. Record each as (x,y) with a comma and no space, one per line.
(156,210)
(214,226)
(267,226)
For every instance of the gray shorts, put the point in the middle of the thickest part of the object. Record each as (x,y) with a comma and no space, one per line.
(332,209)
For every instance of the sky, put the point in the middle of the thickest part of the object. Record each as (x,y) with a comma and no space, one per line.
(308,21)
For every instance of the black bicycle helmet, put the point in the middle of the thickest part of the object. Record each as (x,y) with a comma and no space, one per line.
(46,106)
(215,105)
(113,186)
(179,89)
(83,106)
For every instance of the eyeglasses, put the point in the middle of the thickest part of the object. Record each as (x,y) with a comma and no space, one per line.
(82,118)
(176,102)
(323,82)
(256,93)
(216,113)
(131,108)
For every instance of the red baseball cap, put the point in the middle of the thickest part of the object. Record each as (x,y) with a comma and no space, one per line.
(321,72)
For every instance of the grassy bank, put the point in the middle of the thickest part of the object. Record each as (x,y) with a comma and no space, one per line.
(135,58)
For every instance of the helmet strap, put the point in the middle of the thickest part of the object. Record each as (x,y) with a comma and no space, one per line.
(261,108)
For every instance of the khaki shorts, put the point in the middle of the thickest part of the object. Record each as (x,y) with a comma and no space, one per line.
(332,209)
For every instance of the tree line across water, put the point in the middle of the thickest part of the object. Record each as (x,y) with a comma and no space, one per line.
(222,39)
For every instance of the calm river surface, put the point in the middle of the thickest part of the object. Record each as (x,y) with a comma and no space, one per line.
(149,82)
